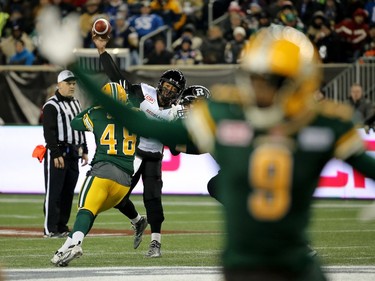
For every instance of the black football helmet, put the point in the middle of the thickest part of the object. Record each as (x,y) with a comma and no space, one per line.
(190,95)
(175,78)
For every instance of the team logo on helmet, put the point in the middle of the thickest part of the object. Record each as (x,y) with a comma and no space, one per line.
(116,91)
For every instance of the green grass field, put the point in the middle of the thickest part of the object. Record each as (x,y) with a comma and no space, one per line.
(192,234)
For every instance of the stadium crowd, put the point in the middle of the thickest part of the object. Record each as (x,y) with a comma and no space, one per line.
(342,31)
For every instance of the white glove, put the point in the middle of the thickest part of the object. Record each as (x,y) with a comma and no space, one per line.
(173,113)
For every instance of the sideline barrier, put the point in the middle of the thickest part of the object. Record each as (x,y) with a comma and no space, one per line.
(182,174)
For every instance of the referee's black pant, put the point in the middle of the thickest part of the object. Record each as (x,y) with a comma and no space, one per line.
(59,187)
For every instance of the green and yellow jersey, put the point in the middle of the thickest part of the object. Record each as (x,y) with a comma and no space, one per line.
(114,143)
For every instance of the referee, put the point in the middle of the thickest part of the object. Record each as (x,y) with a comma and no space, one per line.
(65,147)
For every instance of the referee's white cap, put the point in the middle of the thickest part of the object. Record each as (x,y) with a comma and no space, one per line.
(65,75)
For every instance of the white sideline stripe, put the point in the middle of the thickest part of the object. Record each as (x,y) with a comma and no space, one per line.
(39,233)
(334,273)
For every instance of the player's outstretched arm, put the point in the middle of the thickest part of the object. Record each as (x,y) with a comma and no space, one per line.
(109,66)
(364,164)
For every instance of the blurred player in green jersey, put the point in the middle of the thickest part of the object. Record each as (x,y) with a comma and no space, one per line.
(108,181)
(271,140)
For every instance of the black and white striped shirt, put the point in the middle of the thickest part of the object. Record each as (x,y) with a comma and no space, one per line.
(58,112)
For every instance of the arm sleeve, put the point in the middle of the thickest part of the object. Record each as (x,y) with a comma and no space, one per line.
(78,122)
(114,74)
(363,163)
(191,148)
(50,130)
(111,69)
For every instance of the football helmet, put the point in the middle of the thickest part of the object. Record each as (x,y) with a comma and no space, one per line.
(176,79)
(287,62)
(116,91)
(190,95)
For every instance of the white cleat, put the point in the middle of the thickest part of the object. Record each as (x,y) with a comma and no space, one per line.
(63,259)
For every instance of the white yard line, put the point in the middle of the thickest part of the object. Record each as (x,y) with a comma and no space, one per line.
(334,273)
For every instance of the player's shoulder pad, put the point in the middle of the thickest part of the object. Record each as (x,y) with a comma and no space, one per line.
(226,93)
(336,110)
(93,108)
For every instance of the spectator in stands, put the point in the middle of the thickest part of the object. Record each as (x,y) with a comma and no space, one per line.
(193,11)
(145,23)
(274,8)
(27,15)
(133,45)
(190,32)
(213,10)
(213,46)
(172,13)
(126,37)
(288,16)
(333,12)
(3,19)
(40,6)
(370,8)
(354,32)
(15,18)
(65,7)
(160,55)
(186,55)
(362,106)
(369,48)
(325,39)
(319,96)
(252,17)
(22,55)
(16,11)
(350,6)
(264,20)
(7,45)
(113,7)
(234,47)
(236,17)
(90,12)
(306,9)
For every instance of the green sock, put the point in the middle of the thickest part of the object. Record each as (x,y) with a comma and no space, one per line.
(84,221)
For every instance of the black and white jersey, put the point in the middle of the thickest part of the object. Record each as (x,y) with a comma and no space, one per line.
(152,110)
(143,96)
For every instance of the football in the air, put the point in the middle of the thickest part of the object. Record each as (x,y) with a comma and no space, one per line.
(102,28)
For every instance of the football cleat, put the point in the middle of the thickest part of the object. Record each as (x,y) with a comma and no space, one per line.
(139,228)
(154,250)
(73,252)
(52,235)
(56,257)
(64,234)
(312,252)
